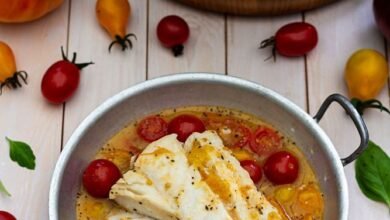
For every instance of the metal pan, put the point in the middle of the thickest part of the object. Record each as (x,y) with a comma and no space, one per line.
(206,89)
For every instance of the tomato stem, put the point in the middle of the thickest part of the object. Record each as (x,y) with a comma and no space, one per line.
(63,54)
(13,82)
(83,65)
(79,65)
(125,42)
(177,50)
(269,42)
(372,103)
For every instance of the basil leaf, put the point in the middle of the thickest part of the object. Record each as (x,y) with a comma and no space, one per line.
(3,189)
(373,173)
(22,154)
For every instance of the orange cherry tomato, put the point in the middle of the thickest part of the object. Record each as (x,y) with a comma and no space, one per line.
(8,75)
(113,15)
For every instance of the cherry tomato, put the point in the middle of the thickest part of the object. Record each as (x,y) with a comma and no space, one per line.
(6,216)
(232,133)
(184,126)
(99,177)
(114,17)
(253,169)
(173,31)
(382,18)
(9,76)
(294,39)
(265,141)
(281,168)
(242,154)
(152,128)
(61,79)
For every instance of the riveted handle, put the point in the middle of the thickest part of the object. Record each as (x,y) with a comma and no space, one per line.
(356,118)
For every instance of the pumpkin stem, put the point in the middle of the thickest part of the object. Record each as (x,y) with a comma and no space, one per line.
(372,103)
(124,42)
(269,42)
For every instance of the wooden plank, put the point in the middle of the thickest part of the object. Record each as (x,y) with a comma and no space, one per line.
(112,72)
(25,115)
(344,28)
(286,75)
(204,51)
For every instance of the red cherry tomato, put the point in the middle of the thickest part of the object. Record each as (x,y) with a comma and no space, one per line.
(253,169)
(61,80)
(6,216)
(265,141)
(281,168)
(173,31)
(152,128)
(99,177)
(294,39)
(382,18)
(184,126)
(232,133)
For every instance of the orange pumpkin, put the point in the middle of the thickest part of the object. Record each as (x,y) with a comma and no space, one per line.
(18,11)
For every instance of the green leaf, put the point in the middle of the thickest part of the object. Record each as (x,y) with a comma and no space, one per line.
(3,189)
(373,173)
(22,154)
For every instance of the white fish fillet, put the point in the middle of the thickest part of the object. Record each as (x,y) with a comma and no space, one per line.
(164,186)
(223,173)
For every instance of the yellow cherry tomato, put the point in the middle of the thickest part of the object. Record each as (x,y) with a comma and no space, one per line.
(8,74)
(285,193)
(114,15)
(366,73)
(310,199)
(241,154)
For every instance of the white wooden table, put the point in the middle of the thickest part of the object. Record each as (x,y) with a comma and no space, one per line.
(222,44)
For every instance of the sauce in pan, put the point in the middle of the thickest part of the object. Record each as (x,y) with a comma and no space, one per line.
(294,191)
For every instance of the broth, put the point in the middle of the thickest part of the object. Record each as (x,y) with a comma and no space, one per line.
(301,200)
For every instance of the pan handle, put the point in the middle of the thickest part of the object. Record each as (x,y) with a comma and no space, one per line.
(356,118)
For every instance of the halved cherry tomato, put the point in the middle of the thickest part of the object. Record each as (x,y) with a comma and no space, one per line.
(184,126)
(253,169)
(6,216)
(152,128)
(232,133)
(265,141)
(99,177)
(281,168)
